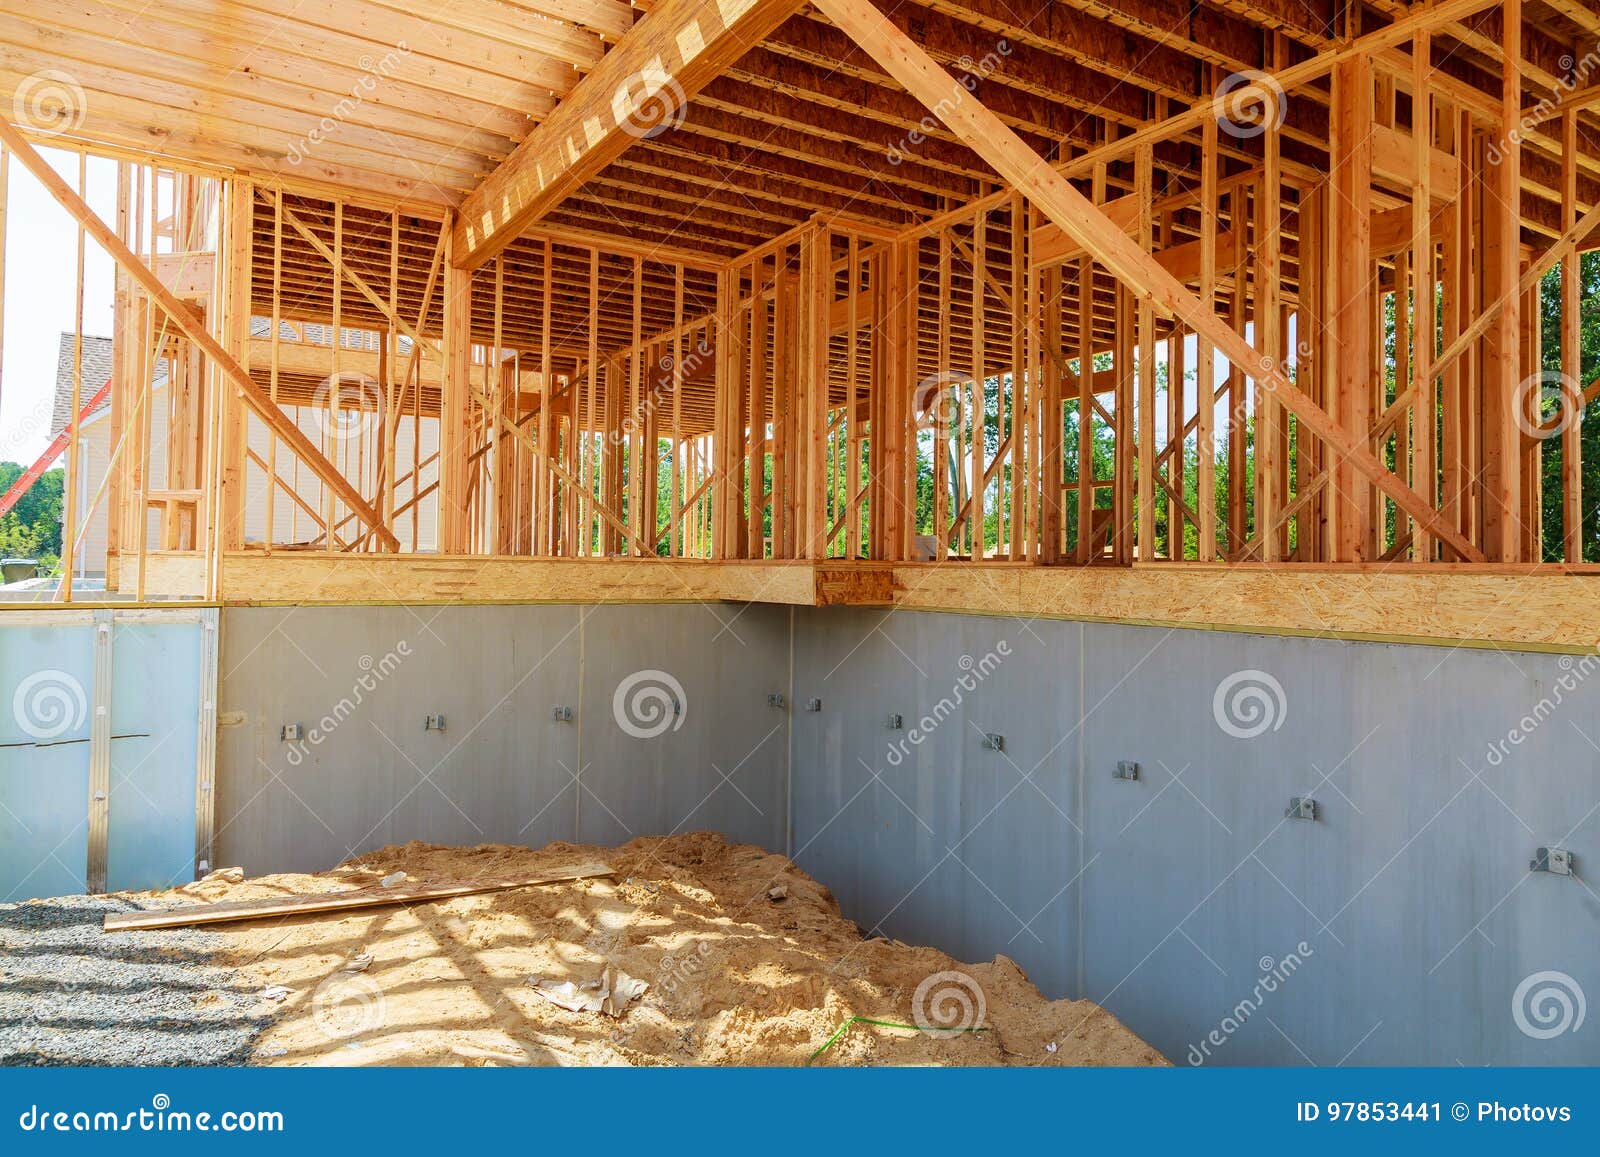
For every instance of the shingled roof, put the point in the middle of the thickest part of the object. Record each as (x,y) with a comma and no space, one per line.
(96,369)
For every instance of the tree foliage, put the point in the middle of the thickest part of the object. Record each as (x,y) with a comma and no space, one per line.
(1589,358)
(32,528)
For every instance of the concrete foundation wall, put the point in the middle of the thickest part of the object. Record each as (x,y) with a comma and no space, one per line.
(1402,925)
(361,680)
(1398,927)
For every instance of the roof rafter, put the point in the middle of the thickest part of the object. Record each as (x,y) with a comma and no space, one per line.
(660,64)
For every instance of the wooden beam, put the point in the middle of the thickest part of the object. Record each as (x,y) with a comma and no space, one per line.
(1551,109)
(1500,362)
(1571,353)
(1517,607)
(1081,220)
(229,911)
(639,88)
(1144,184)
(343,269)
(1395,162)
(1425,301)
(1205,374)
(194,329)
(1354,285)
(1210,108)
(454,410)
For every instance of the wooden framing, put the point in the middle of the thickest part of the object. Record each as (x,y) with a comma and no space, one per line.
(1521,606)
(1038,308)
(682,47)
(184,319)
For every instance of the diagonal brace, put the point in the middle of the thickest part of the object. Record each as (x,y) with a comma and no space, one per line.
(1090,228)
(254,396)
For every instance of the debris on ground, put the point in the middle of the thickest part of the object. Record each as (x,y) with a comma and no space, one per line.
(610,993)
(731,976)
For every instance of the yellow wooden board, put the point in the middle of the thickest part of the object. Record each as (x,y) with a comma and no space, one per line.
(233,910)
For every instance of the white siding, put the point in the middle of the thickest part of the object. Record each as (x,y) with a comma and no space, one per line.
(94,448)
(354,457)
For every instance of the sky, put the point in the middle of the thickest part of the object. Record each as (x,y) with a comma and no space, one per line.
(40,295)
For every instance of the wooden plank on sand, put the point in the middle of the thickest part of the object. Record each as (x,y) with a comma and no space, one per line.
(232,910)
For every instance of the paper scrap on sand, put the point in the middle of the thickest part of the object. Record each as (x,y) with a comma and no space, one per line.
(610,994)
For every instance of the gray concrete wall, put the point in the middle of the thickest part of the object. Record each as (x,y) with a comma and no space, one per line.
(360,680)
(941,840)
(1396,928)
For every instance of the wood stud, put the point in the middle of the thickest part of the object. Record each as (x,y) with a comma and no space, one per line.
(1180,300)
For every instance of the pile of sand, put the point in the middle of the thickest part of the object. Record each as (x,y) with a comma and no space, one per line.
(735,976)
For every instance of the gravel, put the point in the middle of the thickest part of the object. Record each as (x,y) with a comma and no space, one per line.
(71,994)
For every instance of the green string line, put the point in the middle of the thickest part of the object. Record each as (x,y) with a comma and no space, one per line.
(843,1028)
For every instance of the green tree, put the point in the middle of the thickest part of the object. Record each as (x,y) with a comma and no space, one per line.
(32,528)
(1589,360)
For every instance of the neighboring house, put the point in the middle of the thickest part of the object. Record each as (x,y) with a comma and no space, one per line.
(94,445)
(96,369)
(290,522)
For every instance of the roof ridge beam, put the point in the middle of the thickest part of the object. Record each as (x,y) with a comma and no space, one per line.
(639,87)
